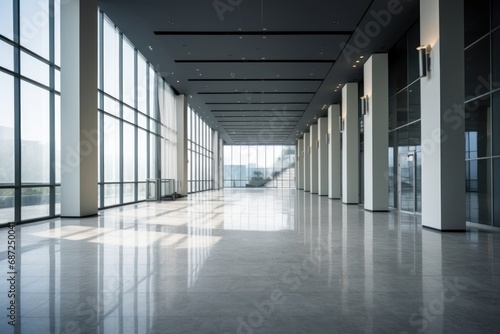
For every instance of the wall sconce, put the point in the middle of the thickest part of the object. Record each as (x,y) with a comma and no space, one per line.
(364,105)
(327,139)
(341,124)
(317,143)
(424,60)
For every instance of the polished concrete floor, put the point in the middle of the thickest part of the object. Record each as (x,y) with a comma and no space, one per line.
(251,261)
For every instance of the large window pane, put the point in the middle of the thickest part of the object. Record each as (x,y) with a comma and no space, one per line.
(111,194)
(477,128)
(6,205)
(34,203)
(496,192)
(6,56)
(495,58)
(6,129)
(58,201)
(477,23)
(142,159)
(142,84)
(111,58)
(478,191)
(111,149)
(34,69)
(128,73)
(495,127)
(57,137)
(35,138)
(57,32)
(128,192)
(35,26)
(128,153)
(477,69)
(6,23)
(414,102)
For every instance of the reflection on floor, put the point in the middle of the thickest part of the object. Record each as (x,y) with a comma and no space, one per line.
(251,261)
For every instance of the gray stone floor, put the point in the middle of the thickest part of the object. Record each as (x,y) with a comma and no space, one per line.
(251,261)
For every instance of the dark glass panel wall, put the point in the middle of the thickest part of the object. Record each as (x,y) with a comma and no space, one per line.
(404,119)
(482,108)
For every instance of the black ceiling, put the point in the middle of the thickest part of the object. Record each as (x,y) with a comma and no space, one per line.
(260,71)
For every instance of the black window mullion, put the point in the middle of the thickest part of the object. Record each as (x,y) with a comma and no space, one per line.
(17,114)
(52,141)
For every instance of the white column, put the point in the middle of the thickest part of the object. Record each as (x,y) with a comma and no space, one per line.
(182,154)
(79,191)
(313,161)
(307,165)
(299,169)
(215,170)
(221,163)
(334,153)
(350,144)
(376,137)
(442,98)
(323,157)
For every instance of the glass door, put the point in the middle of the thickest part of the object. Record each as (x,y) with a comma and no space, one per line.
(407,182)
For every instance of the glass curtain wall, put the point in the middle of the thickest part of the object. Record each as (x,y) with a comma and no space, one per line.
(200,154)
(405,182)
(136,120)
(482,107)
(30,166)
(259,166)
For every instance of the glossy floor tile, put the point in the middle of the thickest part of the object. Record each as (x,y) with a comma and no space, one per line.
(250,261)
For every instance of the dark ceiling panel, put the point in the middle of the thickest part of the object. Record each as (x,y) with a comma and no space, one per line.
(255,71)
(278,58)
(258,98)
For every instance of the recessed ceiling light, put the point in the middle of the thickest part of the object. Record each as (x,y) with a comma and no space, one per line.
(170,22)
(197,70)
(354,66)
(335,90)
(357,61)
(150,47)
(177,80)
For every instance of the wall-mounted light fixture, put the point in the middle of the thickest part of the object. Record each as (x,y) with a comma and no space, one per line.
(317,143)
(424,60)
(309,149)
(327,139)
(341,124)
(364,105)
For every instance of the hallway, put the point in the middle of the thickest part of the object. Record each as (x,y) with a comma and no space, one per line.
(251,261)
